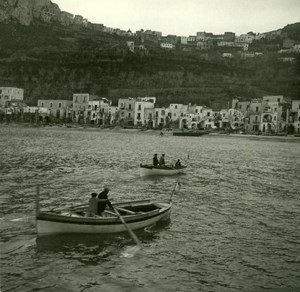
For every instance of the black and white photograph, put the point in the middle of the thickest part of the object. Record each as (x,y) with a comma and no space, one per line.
(149,146)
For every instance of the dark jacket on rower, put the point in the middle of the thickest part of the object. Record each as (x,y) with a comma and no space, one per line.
(155,160)
(103,201)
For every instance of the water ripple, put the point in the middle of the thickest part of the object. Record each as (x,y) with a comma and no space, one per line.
(234,223)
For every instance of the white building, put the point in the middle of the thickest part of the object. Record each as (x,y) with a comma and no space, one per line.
(130,46)
(245,38)
(10,94)
(98,111)
(139,111)
(57,108)
(126,108)
(184,40)
(227,55)
(167,46)
(176,109)
(295,116)
(162,117)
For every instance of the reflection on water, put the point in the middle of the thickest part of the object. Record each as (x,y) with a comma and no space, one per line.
(234,222)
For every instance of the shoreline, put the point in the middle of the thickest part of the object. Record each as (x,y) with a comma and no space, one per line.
(132,130)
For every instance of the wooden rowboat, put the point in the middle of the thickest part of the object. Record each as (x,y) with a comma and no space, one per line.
(146,169)
(136,214)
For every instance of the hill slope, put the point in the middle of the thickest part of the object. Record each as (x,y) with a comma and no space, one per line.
(54,61)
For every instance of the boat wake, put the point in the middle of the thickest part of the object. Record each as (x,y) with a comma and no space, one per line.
(130,251)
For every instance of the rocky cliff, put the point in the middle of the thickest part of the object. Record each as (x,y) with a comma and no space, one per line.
(27,12)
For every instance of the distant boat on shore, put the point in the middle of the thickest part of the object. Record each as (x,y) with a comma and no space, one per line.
(193,133)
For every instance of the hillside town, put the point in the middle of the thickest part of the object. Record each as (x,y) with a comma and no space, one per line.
(267,115)
(230,45)
(248,45)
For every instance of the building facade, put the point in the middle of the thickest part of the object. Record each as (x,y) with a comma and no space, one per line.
(10,94)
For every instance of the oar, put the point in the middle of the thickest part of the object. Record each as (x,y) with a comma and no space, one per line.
(174,189)
(133,236)
(68,208)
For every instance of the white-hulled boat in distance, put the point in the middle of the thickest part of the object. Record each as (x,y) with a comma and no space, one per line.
(137,215)
(146,169)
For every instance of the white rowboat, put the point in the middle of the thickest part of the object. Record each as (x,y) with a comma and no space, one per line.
(146,170)
(136,214)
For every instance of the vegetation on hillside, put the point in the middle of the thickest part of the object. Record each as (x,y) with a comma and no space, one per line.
(53,62)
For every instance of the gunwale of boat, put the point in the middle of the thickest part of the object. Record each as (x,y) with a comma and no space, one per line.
(167,167)
(74,217)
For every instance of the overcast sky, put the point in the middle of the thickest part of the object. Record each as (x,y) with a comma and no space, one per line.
(186,17)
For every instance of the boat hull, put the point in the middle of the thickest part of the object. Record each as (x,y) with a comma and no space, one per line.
(51,224)
(191,134)
(148,171)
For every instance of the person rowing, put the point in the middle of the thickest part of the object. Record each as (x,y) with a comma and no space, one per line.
(103,201)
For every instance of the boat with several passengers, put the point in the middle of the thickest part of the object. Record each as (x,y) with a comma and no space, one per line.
(149,169)
(136,214)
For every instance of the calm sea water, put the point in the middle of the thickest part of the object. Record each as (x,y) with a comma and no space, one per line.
(234,224)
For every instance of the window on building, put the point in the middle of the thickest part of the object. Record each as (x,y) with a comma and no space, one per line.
(150,116)
(129,115)
(274,118)
(83,98)
(139,116)
(156,114)
(278,99)
(76,100)
(275,109)
(50,104)
(94,115)
(256,109)
(59,105)
(140,107)
(240,106)
(208,114)
(163,112)
(256,118)
(175,106)
(196,111)
(129,106)
(175,115)
(42,104)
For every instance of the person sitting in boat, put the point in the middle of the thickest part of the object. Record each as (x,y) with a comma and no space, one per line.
(162,160)
(93,206)
(178,163)
(155,160)
(103,201)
